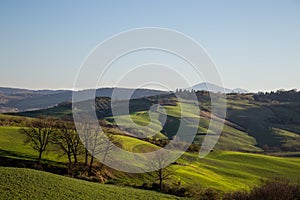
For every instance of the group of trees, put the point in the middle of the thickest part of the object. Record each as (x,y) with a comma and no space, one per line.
(279,95)
(13,121)
(43,132)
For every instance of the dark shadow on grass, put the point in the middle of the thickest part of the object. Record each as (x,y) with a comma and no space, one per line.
(5,153)
(13,159)
(256,122)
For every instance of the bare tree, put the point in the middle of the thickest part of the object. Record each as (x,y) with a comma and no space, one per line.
(86,132)
(160,163)
(100,143)
(96,142)
(68,140)
(39,134)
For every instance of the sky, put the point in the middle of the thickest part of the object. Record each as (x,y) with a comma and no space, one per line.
(255,44)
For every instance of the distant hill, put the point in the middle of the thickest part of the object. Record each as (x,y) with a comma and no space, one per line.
(240,90)
(210,87)
(215,88)
(5,90)
(14,91)
(18,99)
(253,122)
(14,100)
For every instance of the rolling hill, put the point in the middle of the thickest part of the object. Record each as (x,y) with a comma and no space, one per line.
(221,170)
(16,100)
(251,124)
(31,184)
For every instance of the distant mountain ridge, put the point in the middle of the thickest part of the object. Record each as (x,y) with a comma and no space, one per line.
(10,91)
(18,99)
(15,100)
(215,88)
(240,90)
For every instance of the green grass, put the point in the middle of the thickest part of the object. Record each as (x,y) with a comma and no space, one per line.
(291,139)
(231,138)
(272,125)
(142,121)
(12,145)
(222,170)
(16,183)
(228,171)
(135,145)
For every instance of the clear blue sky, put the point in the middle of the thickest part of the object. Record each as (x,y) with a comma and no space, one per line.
(255,44)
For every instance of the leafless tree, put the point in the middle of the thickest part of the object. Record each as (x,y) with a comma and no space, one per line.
(69,142)
(160,163)
(39,134)
(100,143)
(86,132)
(96,142)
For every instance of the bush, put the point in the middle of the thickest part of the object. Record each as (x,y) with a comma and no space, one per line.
(270,190)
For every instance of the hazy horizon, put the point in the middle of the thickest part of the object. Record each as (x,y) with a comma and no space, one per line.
(72,89)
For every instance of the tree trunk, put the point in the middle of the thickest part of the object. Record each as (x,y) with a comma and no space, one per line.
(86,157)
(70,172)
(104,157)
(40,157)
(91,166)
(160,179)
(75,159)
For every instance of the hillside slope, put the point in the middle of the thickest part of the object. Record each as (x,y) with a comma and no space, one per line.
(14,100)
(16,183)
(252,124)
(222,170)
(274,125)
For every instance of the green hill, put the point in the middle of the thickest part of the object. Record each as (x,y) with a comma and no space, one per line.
(12,145)
(228,171)
(253,122)
(275,125)
(16,183)
(222,170)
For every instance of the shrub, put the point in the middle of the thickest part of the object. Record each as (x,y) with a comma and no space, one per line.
(208,194)
(271,190)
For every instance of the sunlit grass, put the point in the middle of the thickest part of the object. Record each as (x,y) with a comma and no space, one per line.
(31,184)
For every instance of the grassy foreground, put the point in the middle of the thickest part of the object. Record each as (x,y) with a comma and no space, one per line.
(221,170)
(16,183)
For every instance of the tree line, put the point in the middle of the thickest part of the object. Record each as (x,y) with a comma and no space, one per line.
(279,95)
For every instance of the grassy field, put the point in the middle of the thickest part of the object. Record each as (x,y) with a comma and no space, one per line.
(274,124)
(16,183)
(231,138)
(221,170)
(12,145)
(228,171)
(136,145)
